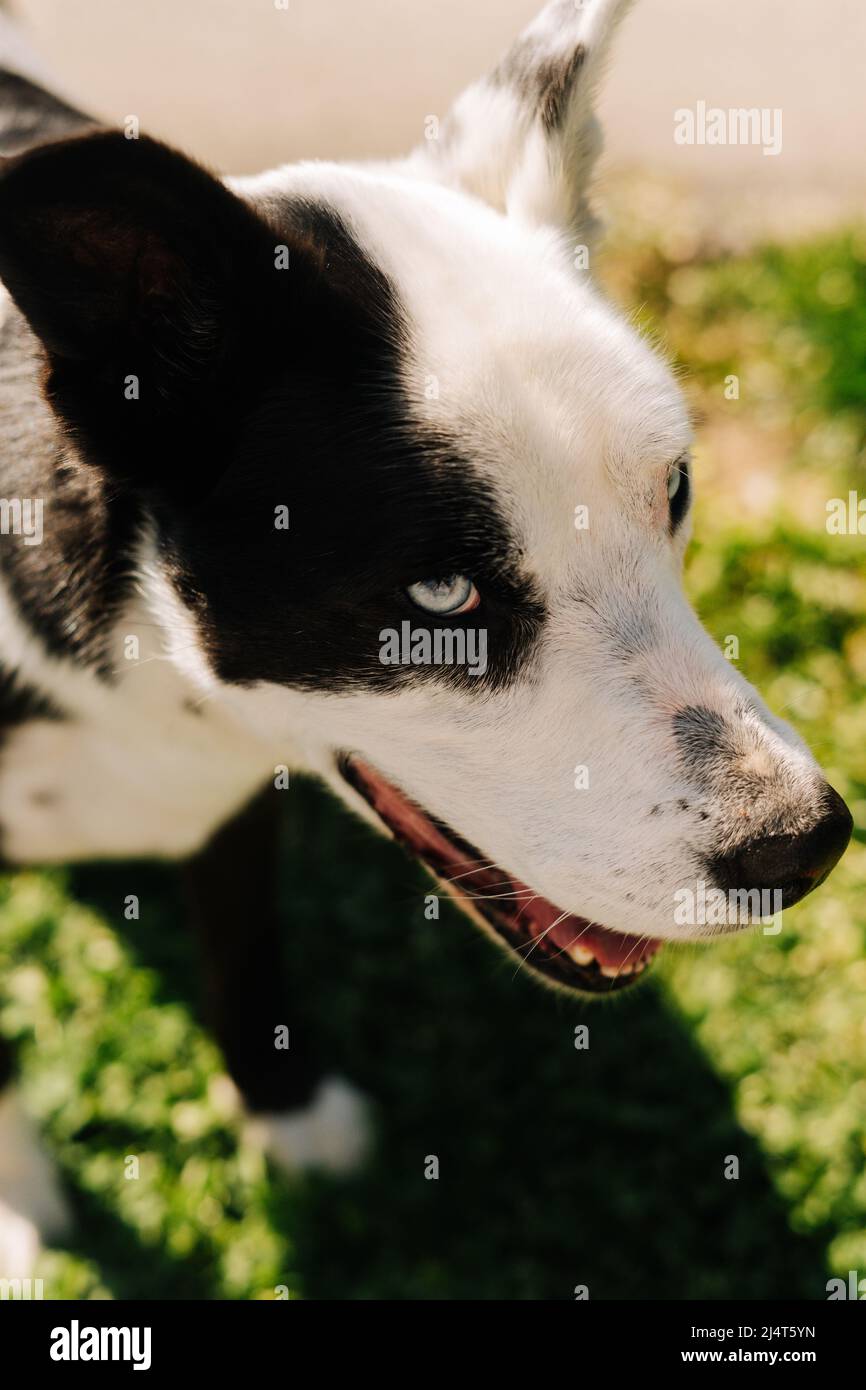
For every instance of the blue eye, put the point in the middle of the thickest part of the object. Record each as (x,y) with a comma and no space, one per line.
(679,488)
(457,594)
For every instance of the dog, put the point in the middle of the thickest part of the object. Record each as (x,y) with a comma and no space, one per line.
(268,442)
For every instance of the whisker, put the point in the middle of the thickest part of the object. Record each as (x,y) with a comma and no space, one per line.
(485,897)
(480,866)
(538,939)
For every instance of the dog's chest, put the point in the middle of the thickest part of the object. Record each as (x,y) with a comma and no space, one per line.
(136,767)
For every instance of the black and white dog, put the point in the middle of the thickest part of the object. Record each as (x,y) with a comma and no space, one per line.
(251,427)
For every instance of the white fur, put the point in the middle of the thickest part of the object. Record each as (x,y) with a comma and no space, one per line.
(332,1133)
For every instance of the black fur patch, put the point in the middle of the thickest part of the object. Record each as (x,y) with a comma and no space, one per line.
(555,80)
(543,82)
(153,290)
(375,503)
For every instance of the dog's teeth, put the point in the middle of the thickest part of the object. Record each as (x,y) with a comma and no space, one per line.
(580,955)
(635,967)
(611,971)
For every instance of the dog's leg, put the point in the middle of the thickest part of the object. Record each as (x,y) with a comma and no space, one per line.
(30,1202)
(302,1118)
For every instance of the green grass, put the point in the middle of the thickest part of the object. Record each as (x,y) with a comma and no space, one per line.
(558,1167)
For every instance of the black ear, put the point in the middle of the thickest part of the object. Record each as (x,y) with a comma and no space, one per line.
(151,286)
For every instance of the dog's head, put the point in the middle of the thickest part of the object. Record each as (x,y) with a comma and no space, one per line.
(417,501)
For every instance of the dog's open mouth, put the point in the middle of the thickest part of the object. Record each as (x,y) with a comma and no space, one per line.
(567,950)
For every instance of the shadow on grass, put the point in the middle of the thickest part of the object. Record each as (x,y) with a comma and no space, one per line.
(558,1167)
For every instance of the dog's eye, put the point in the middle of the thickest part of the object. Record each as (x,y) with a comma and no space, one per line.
(679,488)
(457,594)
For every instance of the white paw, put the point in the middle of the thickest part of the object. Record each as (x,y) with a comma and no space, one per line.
(30,1200)
(332,1132)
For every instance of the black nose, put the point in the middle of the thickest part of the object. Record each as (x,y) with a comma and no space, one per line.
(790,864)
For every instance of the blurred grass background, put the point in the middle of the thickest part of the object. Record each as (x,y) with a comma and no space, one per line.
(558,1167)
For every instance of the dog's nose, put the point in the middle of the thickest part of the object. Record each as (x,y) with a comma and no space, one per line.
(790,864)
